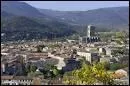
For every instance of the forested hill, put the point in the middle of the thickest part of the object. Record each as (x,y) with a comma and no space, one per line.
(116,17)
(21,21)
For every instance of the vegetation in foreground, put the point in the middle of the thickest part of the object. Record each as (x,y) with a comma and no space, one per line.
(89,75)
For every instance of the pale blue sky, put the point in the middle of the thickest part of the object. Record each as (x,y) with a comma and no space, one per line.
(76,5)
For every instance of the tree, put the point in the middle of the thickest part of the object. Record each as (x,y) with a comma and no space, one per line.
(106,65)
(49,74)
(116,66)
(89,75)
(35,74)
(118,42)
(80,77)
(55,72)
(121,36)
(27,68)
(33,68)
(102,75)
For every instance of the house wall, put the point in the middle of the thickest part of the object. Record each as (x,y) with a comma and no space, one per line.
(86,55)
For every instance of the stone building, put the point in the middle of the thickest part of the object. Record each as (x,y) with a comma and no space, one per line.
(90,56)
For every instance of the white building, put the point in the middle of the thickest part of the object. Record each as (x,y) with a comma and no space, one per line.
(102,50)
(105,59)
(61,62)
(45,49)
(90,31)
(89,56)
(80,40)
(108,51)
(70,41)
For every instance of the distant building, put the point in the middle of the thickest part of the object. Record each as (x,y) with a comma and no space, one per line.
(90,31)
(61,62)
(90,37)
(89,56)
(108,51)
(102,50)
(3,68)
(70,41)
(80,40)
(105,59)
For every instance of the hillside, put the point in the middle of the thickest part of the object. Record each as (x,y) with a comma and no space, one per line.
(25,28)
(22,21)
(20,9)
(116,17)
(29,23)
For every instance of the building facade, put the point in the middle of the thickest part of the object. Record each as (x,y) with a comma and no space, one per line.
(89,56)
(91,31)
(90,35)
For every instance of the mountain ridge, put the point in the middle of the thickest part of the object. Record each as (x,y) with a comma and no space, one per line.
(22,19)
(96,16)
(42,26)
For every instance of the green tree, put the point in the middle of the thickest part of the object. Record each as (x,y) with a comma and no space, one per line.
(80,77)
(35,74)
(106,65)
(33,68)
(55,72)
(116,66)
(121,36)
(88,75)
(101,74)
(49,74)
(118,42)
(27,68)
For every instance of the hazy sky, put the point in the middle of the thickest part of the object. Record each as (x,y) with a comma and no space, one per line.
(76,5)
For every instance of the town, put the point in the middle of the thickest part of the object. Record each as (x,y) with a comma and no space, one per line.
(46,62)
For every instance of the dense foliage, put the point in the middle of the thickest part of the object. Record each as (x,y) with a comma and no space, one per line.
(114,66)
(89,75)
(19,28)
